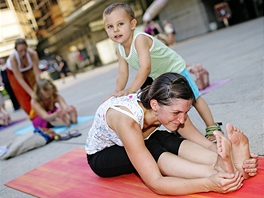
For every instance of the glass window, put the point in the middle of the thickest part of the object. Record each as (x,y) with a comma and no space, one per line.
(3,4)
(16,5)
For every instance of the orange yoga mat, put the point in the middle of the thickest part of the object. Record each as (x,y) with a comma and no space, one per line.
(70,176)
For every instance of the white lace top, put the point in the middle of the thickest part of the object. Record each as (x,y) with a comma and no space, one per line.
(100,135)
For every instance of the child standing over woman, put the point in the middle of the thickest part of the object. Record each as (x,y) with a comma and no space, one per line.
(44,112)
(149,56)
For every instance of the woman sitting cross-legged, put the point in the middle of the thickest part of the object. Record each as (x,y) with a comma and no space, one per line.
(123,140)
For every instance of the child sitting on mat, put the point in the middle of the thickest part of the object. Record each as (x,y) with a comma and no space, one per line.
(44,112)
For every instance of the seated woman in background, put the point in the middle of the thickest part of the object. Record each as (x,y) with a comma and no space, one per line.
(45,113)
(5,119)
(200,73)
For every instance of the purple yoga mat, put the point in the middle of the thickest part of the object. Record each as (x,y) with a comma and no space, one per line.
(214,85)
(13,123)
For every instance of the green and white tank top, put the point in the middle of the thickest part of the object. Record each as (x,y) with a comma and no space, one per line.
(163,59)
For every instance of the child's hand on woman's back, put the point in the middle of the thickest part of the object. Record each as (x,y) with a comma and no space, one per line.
(124,92)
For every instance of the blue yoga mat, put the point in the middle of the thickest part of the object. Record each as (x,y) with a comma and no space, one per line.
(30,128)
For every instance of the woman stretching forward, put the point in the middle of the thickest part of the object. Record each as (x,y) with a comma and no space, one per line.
(117,144)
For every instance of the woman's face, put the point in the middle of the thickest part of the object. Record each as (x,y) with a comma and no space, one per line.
(46,95)
(22,50)
(174,115)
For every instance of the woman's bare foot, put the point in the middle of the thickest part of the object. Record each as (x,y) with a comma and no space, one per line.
(73,114)
(65,117)
(240,147)
(224,161)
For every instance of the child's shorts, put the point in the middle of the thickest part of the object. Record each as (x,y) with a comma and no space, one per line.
(193,85)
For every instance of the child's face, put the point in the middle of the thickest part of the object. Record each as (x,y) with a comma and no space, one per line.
(119,26)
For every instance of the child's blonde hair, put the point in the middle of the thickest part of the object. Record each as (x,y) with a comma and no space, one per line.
(45,85)
(122,6)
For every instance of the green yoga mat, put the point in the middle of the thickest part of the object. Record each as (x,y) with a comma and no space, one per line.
(81,119)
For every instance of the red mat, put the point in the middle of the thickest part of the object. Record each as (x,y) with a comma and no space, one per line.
(70,176)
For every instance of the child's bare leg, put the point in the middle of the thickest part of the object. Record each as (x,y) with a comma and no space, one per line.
(240,146)
(224,161)
(203,109)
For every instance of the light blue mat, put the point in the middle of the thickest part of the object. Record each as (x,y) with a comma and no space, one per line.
(30,128)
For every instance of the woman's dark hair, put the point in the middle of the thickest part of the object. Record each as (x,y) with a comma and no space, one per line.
(166,87)
(122,6)
(20,41)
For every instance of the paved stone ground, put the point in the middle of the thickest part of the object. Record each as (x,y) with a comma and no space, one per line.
(235,52)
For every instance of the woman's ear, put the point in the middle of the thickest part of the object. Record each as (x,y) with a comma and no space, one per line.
(154,104)
(133,24)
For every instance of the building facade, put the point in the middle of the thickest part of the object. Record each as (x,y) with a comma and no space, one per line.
(74,28)
(16,20)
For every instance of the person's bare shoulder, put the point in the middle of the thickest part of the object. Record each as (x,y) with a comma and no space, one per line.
(143,40)
(32,52)
(12,56)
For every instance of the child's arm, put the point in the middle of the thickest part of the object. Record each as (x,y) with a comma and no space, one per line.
(122,77)
(123,73)
(142,44)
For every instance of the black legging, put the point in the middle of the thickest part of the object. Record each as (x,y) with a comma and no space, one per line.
(9,90)
(110,162)
(113,161)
